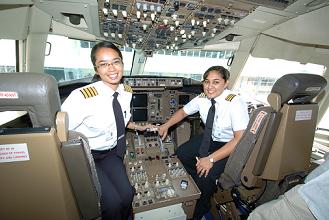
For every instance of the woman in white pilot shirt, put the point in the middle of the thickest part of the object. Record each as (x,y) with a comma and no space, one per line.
(90,112)
(230,121)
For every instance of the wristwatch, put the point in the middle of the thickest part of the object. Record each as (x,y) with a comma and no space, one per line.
(211,159)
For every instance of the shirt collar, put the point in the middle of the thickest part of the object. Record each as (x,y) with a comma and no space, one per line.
(104,87)
(222,96)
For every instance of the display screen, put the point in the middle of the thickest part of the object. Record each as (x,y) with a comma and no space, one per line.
(139,115)
(139,100)
(183,99)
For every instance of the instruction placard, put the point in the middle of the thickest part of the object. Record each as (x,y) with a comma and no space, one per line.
(13,152)
(303,115)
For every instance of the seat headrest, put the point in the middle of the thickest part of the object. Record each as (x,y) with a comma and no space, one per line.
(299,87)
(35,93)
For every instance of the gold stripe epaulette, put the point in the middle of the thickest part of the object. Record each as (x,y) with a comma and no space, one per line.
(202,95)
(89,92)
(127,88)
(230,97)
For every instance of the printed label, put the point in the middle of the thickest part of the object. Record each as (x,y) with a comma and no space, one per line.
(8,95)
(257,122)
(13,153)
(303,115)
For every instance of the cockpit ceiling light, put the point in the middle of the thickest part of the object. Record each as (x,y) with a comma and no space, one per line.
(124,14)
(174,17)
(219,20)
(138,14)
(115,12)
(113,35)
(152,16)
(144,7)
(176,38)
(172,28)
(105,11)
(138,6)
(193,33)
(145,15)
(144,27)
(158,9)
(204,23)
(177,23)
(226,20)
(193,22)
(106,34)
(120,36)
(182,32)
(165,21)
(203,33)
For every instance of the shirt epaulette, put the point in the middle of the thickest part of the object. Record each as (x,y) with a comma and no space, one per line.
(127,88)
(89,92)
(202,95)
(230,97)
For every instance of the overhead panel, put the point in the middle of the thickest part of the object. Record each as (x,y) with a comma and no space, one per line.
(173,24)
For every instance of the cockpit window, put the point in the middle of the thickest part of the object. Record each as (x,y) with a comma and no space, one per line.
(7,56)
(186,63)
(259,74)
(69,59)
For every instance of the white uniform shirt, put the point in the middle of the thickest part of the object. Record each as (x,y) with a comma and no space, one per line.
(315,191)
(90,112)
(231,114)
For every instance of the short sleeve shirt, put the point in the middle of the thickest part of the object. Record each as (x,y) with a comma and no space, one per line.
(231,114)
(90,112)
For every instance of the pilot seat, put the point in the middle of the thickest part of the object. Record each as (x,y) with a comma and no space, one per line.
(46,171)
(274,152)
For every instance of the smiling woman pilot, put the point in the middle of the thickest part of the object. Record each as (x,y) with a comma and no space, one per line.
(225,116)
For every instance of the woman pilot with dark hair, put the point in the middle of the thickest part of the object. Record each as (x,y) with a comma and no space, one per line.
(204,159)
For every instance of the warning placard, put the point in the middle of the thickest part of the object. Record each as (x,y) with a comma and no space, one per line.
(13,152)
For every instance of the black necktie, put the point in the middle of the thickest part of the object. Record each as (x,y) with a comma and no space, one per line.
(121,140)
(203,151)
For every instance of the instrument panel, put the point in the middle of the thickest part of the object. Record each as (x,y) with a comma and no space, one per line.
(152,25)
(158,176)
(155,99)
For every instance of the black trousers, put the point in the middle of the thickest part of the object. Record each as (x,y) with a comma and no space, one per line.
(207,185)
(117,193)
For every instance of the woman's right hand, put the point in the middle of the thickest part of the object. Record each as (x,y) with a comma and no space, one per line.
(163,130)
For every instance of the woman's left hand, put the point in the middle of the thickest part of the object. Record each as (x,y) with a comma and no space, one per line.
(203,166)
(148,126)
